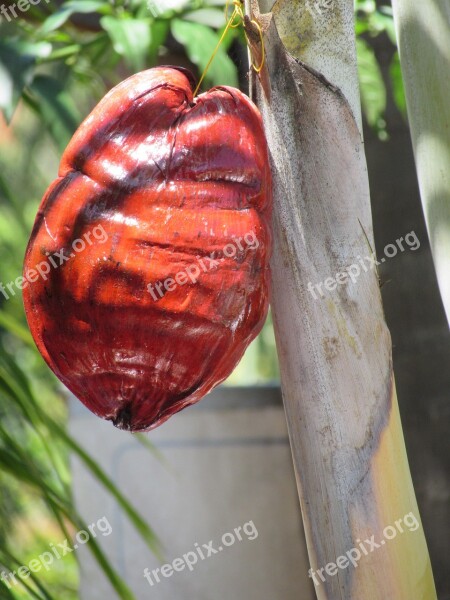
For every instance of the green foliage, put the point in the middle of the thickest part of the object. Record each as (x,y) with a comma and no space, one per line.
(372,21)
(50,99)
(104,33)
(373,93)
(63,14)
(130,38)
(398,90)
(200,42)
(34,442)
(34,454)
(18,59)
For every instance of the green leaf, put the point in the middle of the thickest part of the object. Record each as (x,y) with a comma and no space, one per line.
(14,203)
(17,62)
(373,91)
(379,22)
(12,561)
(119,584)
(131,39)
(367,6)
(56,107)
(20,463)
(160,8)
(159,31)
(212,17)
(141,526)
(398,91)
(61,53)
(200,42)
(5,591)
(18,388)
(15,327)
(361,26)
(147,444)
(67,9)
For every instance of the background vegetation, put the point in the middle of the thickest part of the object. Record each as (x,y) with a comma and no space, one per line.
(56,61)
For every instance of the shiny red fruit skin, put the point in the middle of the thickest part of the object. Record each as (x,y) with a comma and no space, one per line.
(171,180)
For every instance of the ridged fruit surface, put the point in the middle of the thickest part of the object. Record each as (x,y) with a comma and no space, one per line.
(153,185)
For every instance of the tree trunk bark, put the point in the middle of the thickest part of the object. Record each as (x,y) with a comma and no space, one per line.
(333,344)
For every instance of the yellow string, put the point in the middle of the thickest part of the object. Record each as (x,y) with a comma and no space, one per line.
(238,9)
(225,31)
(263,52)
(237,12)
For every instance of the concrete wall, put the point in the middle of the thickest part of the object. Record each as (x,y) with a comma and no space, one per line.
(227,462)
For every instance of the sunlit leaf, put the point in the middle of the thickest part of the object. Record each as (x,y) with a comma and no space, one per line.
(158,35)
(200,42)
(213,17)
(68,9)
(373,92)
(161,7)
(131,39)
(398,91)
(15,327)
(17,62)
(56,108)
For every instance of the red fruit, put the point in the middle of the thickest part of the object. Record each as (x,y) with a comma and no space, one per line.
(156,187)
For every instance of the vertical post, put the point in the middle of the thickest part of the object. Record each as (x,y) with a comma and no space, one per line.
(359,510)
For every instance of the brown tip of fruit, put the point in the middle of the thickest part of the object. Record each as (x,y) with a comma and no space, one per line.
(123,417)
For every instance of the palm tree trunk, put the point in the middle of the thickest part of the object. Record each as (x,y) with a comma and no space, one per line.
(423,31)
(333,344)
